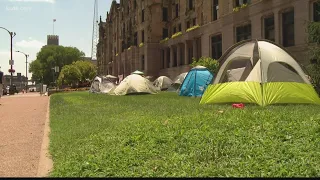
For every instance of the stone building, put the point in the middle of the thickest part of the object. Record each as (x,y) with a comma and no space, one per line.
(160,37)
(53,40)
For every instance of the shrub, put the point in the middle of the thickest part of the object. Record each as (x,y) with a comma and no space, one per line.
(164,40)
(192,28)
(176,35)
(207,62)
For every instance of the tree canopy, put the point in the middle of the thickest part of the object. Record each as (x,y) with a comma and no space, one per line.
(207,62)
(48,58)
(79,71)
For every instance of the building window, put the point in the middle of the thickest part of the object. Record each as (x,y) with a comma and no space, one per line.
(216,46)
(142,62)
(165,33)
(162,59)
(194,21)
(316,11)
(190,4)
(123,46)
(135,4)
(243,32)
(142,36)
(165,14)
(190,55)
(135,41)
(269,28)
(240,2)
(179,28)
(142,16)
(288,28)
(174,30)
(177,10)
(215,8)
(188,24)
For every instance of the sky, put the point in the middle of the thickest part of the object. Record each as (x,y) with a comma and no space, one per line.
(32,21)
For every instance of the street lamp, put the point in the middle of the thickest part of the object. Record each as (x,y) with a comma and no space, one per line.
(12,34)
(27,55)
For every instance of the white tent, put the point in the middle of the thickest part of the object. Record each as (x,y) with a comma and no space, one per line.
(101,85)
(134,84)
(95,85)
(177,82)
(111,78)
(138,72)
(163,82)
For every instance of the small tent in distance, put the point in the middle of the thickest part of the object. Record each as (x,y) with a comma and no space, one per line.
(261,72)
(95,85)
(134,84)
(137,72)
(101,85)
(196,82)
(177,82)
(162,82)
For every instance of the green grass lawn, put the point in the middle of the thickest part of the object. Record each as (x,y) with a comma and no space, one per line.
(167,135)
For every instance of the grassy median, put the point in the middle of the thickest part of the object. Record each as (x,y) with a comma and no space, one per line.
(164,135)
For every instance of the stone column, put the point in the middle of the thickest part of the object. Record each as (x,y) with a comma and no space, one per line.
(165,55)
(178,54)
(171,56)
(186,53)
(194,48)
(277,28)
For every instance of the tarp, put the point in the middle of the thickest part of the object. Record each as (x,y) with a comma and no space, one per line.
(196,82)
(134,84)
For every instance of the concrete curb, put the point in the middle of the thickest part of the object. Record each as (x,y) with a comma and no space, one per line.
(45,161)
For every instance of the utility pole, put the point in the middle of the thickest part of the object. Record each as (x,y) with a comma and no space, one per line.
(27,55)
(12,34)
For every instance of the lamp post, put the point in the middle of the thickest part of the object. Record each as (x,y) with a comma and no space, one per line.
(12,34)
(27,55)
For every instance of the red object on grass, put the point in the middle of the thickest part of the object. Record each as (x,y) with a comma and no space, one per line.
(240,105)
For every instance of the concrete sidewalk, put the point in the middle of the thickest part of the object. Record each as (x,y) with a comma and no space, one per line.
(22,126)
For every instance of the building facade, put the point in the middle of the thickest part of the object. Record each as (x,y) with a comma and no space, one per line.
(160,37)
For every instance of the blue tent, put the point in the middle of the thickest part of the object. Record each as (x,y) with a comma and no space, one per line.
(196,82)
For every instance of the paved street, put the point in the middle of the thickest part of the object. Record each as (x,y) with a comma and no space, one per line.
(22,124)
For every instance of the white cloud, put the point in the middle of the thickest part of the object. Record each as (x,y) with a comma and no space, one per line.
(45,1)
(31,43)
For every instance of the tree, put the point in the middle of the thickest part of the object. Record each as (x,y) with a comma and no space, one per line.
(207,62)
(87,69)
(69,75)
(314,53)
(78,71)
(35,67)
(48,58)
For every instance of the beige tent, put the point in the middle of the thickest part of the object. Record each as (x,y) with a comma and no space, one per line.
(134,84)
(162,82)
(261,72)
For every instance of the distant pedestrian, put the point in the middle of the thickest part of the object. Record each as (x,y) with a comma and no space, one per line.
(1,83)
